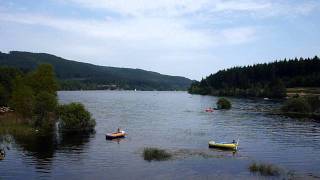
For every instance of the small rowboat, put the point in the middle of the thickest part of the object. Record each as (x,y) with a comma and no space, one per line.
(208,110)
(115,135)
(223,145)
(2,154)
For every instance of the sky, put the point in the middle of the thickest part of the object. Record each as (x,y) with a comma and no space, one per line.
(190,38)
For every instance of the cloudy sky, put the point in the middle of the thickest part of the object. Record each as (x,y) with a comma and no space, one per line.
(190,38)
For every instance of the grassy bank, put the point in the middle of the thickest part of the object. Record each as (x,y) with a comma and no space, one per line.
(303,91)
(11,123)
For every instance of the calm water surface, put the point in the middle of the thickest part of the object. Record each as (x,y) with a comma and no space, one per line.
(174,121)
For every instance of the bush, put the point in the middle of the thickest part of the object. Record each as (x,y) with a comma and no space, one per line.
(264,169)
(223,103)
(45,103)
(156,154)
(22,100)
(74,117)
(296,105)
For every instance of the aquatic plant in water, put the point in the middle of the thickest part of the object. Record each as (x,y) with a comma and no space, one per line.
(264,169)
(156,154)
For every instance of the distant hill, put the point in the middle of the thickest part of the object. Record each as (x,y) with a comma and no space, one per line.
(261,80)
(75,75)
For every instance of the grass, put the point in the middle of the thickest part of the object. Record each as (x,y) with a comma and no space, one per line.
(264,169)
(11,124)
(303,91)
(150,154)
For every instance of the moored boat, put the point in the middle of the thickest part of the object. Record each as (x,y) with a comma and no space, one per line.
(224,145)
(208,110)
(2,154)
(119,134)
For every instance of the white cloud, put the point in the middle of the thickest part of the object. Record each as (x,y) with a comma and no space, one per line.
(168,33)
(147,34)
(242,5)
(165,8)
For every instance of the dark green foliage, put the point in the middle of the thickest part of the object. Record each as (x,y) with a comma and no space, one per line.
(223,103)
(76,75)
(45,105)
(264,169)
(261,80)
(33,95)
(74,117)
(4,96)
(156,154)
(276,89)
(43,79)
(196,89)
(22,100)
(296,105)
(7,75)
(314,102)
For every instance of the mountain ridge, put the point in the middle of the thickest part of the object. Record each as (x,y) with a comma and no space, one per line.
(75,75)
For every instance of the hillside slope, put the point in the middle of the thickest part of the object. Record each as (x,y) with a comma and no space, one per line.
(261,80)
(77,75)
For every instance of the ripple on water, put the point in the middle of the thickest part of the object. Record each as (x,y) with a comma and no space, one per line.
(175,121)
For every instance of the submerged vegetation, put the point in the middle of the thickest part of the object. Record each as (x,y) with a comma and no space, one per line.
(261,80)
(223,103)
(155,154)
(264,169)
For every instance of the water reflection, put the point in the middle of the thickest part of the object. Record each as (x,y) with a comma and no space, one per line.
(117,140)
(40,149)
(171,121)
(74,141)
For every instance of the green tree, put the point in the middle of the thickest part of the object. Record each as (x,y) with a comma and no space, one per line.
(7,75)
(276,89)
(22,100)
(44,106)
(74,117)
(43,80)
(223,103)
(3,96)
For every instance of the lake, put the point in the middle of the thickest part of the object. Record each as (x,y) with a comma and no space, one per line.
(174,121)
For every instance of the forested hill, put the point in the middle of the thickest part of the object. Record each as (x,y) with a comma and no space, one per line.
(77,75)
(261,80)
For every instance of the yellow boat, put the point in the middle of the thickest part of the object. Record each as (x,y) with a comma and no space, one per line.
(223,145)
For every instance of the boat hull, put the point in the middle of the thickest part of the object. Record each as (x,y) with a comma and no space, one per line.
(116,135)
(213,144)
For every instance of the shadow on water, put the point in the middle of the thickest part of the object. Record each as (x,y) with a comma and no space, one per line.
(74,141)
(40,149)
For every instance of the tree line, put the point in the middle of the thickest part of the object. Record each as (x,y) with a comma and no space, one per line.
(261,80)
(33,97)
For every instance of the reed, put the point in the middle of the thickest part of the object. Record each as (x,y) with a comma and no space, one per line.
(156,154)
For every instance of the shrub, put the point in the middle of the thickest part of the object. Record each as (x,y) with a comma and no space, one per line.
(22,100)
(223,103)
(296,105)
(264,169)
(45,103)
(156,154)
(74,117)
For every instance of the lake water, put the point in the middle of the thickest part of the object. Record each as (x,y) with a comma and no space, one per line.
(174,121)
